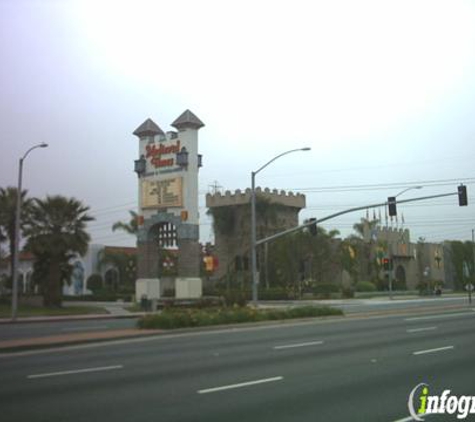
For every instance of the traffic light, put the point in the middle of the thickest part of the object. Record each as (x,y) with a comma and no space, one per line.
(387,264)
(313,227)
(462,191)
(392,206)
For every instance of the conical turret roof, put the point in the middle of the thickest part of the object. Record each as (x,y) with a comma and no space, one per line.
(148,128)
(187,120)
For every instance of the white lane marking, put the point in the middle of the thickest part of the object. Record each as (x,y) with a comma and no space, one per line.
(439,349)
(96,327)
(408,419)
(418,330)
(240,385)
(422,318)
(411,419)
(291,346)
(75,371)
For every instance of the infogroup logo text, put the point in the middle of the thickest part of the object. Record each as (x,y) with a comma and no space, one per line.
(420,403)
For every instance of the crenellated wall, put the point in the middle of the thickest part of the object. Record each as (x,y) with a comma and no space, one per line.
(239,197)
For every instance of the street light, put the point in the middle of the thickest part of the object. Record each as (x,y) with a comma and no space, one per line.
(253,220)
(405,190)
(392,205)
(17,231)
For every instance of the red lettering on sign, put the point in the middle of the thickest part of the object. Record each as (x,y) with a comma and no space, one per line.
(156,152)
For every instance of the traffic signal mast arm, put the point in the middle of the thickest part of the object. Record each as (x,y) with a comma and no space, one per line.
(364,207)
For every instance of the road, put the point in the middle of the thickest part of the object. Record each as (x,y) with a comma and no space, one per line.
(10,331)
(345,369)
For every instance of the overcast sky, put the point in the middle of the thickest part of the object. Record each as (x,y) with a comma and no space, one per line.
(382,91)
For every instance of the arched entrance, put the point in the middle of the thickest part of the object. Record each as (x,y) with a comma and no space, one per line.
(400,278)
(111,279)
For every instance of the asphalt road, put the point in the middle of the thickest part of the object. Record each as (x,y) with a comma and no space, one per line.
(335,370)
(400,303)
(10,331)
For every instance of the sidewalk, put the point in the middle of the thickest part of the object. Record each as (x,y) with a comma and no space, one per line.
(70,339)
(58,318)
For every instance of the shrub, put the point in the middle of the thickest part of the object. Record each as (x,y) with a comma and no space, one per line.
(275,293)
(325,290)
(235,298)
(100,296)
(365,286)
(347,293)
(95,282)
(181,318)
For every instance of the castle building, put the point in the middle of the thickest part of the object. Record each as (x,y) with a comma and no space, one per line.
(276,211)
(412,263)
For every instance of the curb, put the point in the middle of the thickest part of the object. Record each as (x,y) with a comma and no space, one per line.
(99,337)
(62,318)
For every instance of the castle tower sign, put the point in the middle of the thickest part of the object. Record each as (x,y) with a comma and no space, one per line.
(168,235)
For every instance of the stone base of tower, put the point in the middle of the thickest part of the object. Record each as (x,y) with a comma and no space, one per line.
(188,288)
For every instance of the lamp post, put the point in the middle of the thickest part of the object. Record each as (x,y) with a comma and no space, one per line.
(16,250)
(471,283)
(253,220)
(390,273)
(405,190)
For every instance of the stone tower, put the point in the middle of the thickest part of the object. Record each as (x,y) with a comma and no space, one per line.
(232,241)
(167,173)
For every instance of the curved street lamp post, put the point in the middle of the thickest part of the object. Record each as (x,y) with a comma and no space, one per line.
(16,250)
(253,221)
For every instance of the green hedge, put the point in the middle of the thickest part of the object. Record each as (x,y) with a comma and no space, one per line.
(365,286)
(100,297)
(181,318)
(325,290)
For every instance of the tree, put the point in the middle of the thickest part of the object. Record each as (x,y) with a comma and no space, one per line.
(132,227)
(8,203)
(462,255)
(302,257)
(364,230)
(56,234)
(125,263)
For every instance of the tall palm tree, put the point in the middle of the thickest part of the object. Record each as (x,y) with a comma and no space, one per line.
(56,234)
(8,203)
(364,230)
(132,227)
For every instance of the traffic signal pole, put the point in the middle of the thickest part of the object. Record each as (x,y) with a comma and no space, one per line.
(350,210)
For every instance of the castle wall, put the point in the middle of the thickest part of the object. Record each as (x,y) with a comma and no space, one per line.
(237,243)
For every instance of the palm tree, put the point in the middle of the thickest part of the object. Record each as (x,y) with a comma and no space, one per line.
(8,203)
(365,227)
(364,230)
(56,234)
(132,227)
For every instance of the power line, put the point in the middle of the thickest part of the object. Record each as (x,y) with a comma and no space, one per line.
(382,186)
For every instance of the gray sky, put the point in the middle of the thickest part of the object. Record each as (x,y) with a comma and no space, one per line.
(382,91)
